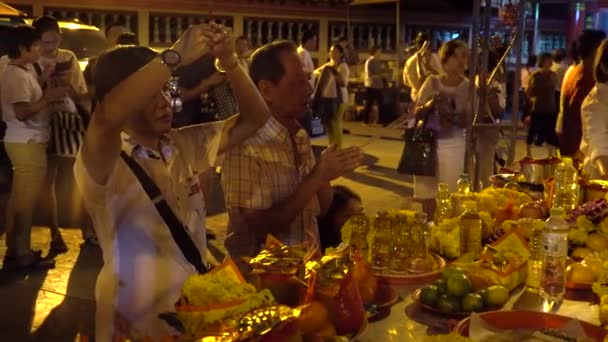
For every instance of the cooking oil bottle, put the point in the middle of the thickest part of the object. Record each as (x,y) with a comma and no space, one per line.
(535,262)
(470,230)
(464,185)
(381,247)
(566,186)
(445,209)
(359,233)
(402,245)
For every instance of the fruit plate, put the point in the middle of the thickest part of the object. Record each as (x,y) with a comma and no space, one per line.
(454,314)
(413,279)
(531,320)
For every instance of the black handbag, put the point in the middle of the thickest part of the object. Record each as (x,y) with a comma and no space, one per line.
(419,156)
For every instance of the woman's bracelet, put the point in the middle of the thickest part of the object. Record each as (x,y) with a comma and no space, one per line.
(232,66)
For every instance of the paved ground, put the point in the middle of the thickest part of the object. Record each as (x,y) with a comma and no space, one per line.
(58,305)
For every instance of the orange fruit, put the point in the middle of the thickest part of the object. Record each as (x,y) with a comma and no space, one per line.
(312,318)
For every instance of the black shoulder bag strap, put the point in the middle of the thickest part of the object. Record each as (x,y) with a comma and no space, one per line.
(178,230)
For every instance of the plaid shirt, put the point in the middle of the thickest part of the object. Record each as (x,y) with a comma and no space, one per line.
(264,171)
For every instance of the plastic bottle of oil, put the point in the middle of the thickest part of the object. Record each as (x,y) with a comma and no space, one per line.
(358,237)
(535,262)
(566,186)
(402,245)
(470,230)
(464,185)
(381,247)
(445,208)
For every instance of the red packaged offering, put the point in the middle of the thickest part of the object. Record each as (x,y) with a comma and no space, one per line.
(334,286)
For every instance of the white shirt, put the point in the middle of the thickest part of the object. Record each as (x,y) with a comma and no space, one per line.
(458,94)
(309,65)
(330,87)
(73,76)
(594,119)
(144,269)
(412,74)
(560,71)
(19,84)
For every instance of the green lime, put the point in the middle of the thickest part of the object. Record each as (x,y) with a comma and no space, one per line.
(429,295)
(496,296)
(451,271)
(441,285)
(482,293)
(448,303)
(459,285)
(472,302)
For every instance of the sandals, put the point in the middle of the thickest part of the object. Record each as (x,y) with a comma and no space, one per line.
(58,247)
(31,261)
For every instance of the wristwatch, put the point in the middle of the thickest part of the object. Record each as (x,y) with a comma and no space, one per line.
(170,58)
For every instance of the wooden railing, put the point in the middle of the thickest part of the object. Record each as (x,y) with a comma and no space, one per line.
(365,35)
(165,28)
(95,17)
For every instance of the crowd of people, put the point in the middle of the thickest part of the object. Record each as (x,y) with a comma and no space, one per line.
(138,147)
(564,106)
(137,166)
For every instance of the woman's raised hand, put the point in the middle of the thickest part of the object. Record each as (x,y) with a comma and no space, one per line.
(221,44)
(192,44)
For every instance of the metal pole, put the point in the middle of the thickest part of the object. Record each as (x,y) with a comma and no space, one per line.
(483,87)
(521,34)
(397,52)
(349,33)
(536,31)
(473,61)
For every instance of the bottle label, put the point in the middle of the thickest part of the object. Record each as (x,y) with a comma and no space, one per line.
(555,245)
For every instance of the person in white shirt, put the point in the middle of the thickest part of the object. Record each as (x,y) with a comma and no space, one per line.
(144,267)
(444,101)
(490,112)
(24,110)
(113,31)
(423,63)
(594,118)
(375,79)
(332,94)
(67,121)
(527,71)
(559,67)
(308,43)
